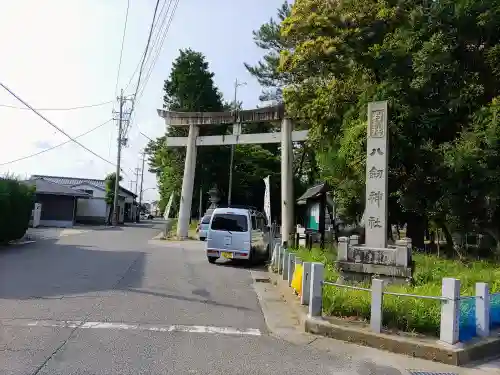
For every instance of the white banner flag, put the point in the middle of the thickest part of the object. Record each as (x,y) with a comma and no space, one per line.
(169,206)
(267,200)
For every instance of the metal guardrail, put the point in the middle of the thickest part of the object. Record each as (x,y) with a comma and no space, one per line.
(346,286)
(438,298)
(418,296)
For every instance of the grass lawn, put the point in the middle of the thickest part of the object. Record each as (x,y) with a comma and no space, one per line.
(405,313)
(192,234)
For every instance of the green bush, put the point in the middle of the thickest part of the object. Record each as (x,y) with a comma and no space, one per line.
(404,313)
(16,203)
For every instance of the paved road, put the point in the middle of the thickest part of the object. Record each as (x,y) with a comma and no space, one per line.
(113,302)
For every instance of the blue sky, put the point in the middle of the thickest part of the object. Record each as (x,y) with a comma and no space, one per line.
(65,53)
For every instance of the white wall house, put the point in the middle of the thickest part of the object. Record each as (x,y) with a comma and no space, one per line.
(95,210)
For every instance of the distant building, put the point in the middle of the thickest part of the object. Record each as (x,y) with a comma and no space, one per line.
(92,208)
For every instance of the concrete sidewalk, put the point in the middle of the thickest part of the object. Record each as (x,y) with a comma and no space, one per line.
(284,317)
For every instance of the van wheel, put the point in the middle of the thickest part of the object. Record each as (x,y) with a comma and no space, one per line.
(251,258)
(211,260)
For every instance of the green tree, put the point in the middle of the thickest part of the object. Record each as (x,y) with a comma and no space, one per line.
(16,203)
(110,183)
(268,38)
(437,65)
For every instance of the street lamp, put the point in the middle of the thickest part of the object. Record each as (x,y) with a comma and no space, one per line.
(236,85)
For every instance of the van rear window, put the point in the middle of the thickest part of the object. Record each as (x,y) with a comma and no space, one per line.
(205,220)
(230,222)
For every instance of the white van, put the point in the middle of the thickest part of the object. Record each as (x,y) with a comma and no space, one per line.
(237,233)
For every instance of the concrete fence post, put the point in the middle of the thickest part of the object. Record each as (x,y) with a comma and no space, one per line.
(377,305)
(343,245)
(276,256)
(316,290)
(450,311)
(281,253)
(482,309)
(286,255)
(291,267)
(306,283)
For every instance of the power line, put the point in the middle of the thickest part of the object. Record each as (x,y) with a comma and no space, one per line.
(56,146)
(157,35)
(140,60)
(145,54)
(163,16)
(55,126)
(55,109)
(155,59)
(121,50)
(125,130)
(158,51)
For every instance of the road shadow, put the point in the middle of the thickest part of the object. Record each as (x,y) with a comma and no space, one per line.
(258,265)
(186,299)
(47,269)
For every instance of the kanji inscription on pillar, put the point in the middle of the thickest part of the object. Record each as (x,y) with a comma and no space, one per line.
(377,149)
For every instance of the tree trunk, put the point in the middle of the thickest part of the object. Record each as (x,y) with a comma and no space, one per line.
(110,215)
(415,230)
(449,250)
(496,236)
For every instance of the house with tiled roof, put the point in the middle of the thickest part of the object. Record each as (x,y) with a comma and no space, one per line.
(94,209)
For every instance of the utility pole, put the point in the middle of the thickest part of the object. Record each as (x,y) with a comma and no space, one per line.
(118,160)
(136,170)
(231,162)
(142,178)
(121,141)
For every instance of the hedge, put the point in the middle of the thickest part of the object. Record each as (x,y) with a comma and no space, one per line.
(16,203)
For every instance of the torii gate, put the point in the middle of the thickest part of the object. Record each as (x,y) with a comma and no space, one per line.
(196,119)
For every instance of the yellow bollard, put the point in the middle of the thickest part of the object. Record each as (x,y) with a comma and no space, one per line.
(297,279)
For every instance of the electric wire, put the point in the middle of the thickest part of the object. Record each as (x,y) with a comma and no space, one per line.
(56,146)
(158,29)
(159,49)
(121,49)
(55,126)
(141,69)
(58,109)
(145,52)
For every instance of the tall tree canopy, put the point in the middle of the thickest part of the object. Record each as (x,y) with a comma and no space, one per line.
(436,62)
(191,88)
(270,40)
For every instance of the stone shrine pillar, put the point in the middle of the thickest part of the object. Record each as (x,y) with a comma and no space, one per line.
(376,176)
(187,183)
(360,262)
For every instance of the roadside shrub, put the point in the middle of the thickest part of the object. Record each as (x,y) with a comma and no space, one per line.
(404,313)
(16,203)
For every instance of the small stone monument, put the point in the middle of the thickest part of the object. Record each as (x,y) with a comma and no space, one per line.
(214,200)
(357,262)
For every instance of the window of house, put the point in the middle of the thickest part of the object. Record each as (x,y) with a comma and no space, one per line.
(89,192)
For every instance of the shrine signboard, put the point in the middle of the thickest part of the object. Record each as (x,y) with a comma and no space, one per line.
(376,176)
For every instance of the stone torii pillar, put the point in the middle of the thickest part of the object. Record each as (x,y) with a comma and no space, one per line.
(196,119)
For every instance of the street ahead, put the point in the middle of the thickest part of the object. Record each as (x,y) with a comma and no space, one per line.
(113,302)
